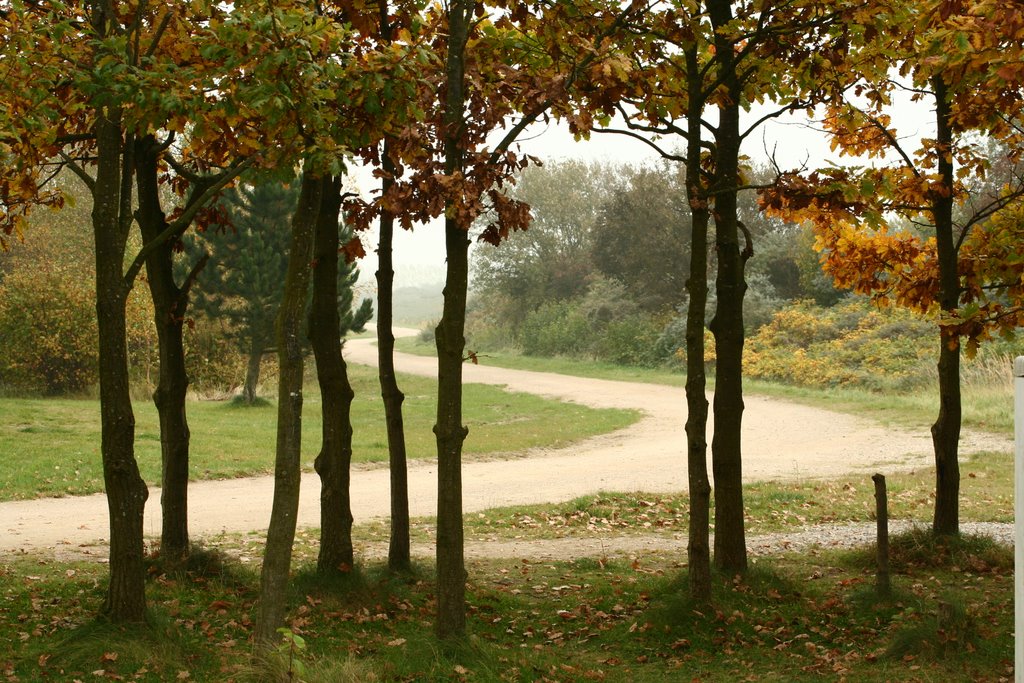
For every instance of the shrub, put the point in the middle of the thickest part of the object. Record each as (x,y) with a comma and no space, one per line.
(212,360)
(851,344)
(48,324)
(556,328)
(629,341)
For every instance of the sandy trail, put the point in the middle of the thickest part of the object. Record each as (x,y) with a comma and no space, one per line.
(782,440)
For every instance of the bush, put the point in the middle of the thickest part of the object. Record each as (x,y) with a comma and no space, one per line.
(630,341)
(851,344)
(557,328)
(48,324)
(212,359)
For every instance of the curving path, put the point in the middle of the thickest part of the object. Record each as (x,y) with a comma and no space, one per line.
(782,440)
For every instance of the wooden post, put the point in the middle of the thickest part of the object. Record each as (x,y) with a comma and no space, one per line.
(883,585)
(1018,552)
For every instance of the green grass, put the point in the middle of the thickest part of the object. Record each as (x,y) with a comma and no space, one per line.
(985,407)
(793,618)
(51,446)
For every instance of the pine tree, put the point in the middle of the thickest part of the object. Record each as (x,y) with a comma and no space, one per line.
(249,257)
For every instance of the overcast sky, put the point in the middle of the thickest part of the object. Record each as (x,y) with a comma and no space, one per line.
(792,140)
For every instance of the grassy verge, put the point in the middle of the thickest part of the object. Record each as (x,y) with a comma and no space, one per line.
(559,365)
(987,406)
(794,618)
(986,496)
(50,447)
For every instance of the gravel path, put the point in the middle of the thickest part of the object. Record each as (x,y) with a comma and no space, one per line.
(782,441)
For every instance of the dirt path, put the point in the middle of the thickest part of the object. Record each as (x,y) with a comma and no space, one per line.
(781,440)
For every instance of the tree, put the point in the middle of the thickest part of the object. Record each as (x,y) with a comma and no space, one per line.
(249,259)
(287,465)
(642,237)
(492,70)
(337,103)
(553,259)
(332,290)
(909,229)
(90,126)
(721,57)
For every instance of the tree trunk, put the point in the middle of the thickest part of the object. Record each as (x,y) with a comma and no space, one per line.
(450,340)
(399,557)
(126,492)
(727,324)
(946,430)
(334,461)
(252,369)
(698,546)
(169,305)
(277,555)
(450,432)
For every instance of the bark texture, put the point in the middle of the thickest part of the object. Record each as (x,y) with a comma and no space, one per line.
(727,324)
(334,461)
(399,557)
(946,430)
(698,545)
(126,492)
(287,468)
(252,368)
(169,305)
(450,339)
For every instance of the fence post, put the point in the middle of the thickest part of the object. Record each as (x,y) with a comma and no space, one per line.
(882,586)
(1018,545)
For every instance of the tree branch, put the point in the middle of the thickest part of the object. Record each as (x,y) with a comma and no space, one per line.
(641,138)
(182,222)
(164,21)
(796,104)
(89,181)
(190,279)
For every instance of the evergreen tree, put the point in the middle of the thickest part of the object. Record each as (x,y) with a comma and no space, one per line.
(249,257)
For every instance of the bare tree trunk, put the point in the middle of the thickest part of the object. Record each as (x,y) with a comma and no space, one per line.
(727,324)
(252,369)
(946,430)
(399,557)
(277,555)
(126,492)
(450,432)
(334,461)
(698,546)
(169,305)
(450,340)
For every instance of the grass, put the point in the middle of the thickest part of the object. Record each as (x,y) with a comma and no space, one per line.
(793,618)
(987,391)
(51,446)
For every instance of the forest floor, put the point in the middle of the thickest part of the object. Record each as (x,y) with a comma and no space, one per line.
(783,441)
